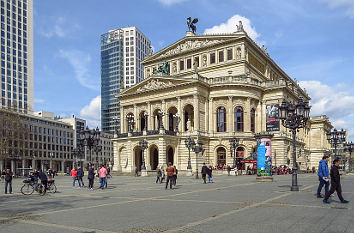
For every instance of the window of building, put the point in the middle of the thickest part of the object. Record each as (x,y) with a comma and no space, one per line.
(221,119)
(229,54)
(238,117)
(253,120)
(189,63)
(221,56)
(181,65)
(212,58)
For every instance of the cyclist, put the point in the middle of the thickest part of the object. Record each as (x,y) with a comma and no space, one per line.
(44,179)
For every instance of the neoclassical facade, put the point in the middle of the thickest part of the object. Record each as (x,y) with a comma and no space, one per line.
(212,88)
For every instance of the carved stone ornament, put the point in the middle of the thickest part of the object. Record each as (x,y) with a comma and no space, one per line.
(154,84)
(188,45)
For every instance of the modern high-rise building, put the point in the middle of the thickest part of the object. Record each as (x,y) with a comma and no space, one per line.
(17,54)
(122,51)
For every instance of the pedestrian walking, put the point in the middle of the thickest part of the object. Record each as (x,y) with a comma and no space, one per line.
(107,176)
(236,171)
(323,176)
(80,175)
(170,170)
(204,172)
(210,175)
(162,174)
(158,175)
(8,180)
(137,171)
(102,175)
(91,176)
(228,170)
(335,183)
(175,176)
(74,175)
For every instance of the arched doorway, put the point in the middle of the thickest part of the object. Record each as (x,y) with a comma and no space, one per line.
(239,156)
(143,120)
(221,156)
(138,157)
(188,117)
(170,155)
(157,119)
(154,157)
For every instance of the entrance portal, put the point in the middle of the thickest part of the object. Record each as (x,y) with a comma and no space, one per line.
(170,155)
(138,158)
(154,157)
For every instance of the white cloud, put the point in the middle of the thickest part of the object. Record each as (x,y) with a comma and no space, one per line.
(61,28)
(39,100)
(170,2)
(336,104)
(92,112)
(80,62)
(230,27)
(347,4)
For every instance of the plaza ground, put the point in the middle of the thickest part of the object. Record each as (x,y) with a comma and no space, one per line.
(130,204)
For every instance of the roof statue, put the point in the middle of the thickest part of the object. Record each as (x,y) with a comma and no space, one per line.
(191,24)
(240,26)
(164,69)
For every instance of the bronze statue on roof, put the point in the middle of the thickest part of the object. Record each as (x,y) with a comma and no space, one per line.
(191,24)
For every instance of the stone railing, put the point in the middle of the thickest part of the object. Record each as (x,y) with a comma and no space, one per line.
(149,132)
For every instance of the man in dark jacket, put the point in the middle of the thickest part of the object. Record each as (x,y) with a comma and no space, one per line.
(323,176)
(44,179)
(8,180)
(335,183)
(91,176)
(205,170)
(80,174)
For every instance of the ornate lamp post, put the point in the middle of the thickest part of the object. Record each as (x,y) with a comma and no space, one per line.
(233,145)
(294,117)
(190,144)
(90,138)
(131,122)
(197,149)
(335,138)
(97,149)
(143,144)
(349,146)
(178,119)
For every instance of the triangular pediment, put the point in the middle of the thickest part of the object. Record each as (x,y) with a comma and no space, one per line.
(190,44)
(154,83)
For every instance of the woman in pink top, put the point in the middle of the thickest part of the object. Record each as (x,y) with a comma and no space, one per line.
(102,174)
(73,175)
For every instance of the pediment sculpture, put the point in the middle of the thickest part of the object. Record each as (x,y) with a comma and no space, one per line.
(154,84)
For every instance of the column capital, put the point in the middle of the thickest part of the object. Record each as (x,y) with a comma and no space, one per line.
(178,98)
(230,98)
(211,99)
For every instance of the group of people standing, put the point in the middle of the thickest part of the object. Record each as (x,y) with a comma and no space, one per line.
(103,173)
(207,171)
(323,176)
(171,175)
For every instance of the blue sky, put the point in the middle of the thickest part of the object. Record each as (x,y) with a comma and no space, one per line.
(312,40)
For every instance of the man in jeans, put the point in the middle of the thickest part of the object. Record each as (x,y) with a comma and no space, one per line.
(8,180)
(74,175)
(102,174)
(80,174)
(323,176)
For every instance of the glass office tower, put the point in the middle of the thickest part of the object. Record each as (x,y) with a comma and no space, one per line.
(122,51)
(17,54)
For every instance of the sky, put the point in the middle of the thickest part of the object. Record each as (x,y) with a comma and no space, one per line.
(311,40)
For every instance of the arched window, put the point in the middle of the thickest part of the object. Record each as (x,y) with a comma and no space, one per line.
(253,120)
(221,119)
(221,156)
(238,117)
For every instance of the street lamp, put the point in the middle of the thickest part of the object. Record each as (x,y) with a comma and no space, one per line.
(349,146)
(294,117)
(233,145)
(143,144)
(178,119)
(190,144)
(336,137)
(90,138)
(97,149)
(197,149)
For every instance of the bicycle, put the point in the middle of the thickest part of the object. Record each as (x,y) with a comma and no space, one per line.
(30,186)
(51,188)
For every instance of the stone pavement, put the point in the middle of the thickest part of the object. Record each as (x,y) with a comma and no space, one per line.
(130,205)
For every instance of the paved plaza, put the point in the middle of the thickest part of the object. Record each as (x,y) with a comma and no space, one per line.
(130,204)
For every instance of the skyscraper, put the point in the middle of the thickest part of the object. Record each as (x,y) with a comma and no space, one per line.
(122,50)
(17,54)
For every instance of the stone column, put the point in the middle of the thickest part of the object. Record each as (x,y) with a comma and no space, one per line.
(13,166)
(165,118)
(206,122)
(116,158)
(150,117)
(147,159)
(62,166)
(162,153)
(247,116)
(196,112)
(211,114)
(34,163)
(42,165)
(23,167)
(122,120)
(136,118)
(51,164)
(1,165)
(229,113)
(180,113)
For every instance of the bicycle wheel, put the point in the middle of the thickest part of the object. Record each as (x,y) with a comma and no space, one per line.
(52,188)
(27,189)
(41,189)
